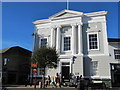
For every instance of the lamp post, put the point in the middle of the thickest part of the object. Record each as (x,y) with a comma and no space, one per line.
(34,67)
(35,80)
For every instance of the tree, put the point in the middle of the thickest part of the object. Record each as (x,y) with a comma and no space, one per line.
(45,57)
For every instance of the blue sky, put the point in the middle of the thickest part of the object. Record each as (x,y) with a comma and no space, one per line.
(17,18)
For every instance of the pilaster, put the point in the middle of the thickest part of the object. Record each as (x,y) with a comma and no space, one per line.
(58,39)
(80,46)
(52,37)
(73,39)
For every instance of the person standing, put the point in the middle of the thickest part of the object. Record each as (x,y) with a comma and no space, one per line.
(57,79)
(81,84)
(49,80)
(54,82)
(26,82)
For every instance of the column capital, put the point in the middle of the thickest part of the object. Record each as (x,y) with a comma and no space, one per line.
(80,23)
(59,26)
(74,24)
(52,27)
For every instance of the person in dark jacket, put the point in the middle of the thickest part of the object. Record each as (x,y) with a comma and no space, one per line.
(81,84)
(26,82)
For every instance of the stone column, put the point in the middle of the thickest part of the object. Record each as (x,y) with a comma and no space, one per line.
(58,39)
(73,39)
(80,47)
(52,37)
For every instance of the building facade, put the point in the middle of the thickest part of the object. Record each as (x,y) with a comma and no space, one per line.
(114,52)
(81,42)
(15,65)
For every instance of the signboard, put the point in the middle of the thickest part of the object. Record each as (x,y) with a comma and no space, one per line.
(33,65)
(34,69)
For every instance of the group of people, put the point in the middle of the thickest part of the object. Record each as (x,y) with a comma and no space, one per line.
(58,81)
(54,81)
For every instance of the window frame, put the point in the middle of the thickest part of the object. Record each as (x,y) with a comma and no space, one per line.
(41,39)
(97,41)
(63,35)
(115,54)
(92,68)
(5,61)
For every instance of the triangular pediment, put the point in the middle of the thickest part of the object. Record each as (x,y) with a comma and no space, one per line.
(66,13)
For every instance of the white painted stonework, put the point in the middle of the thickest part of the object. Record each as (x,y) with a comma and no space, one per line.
(77,26)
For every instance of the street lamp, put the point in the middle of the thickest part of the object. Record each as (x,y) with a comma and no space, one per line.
(34,69)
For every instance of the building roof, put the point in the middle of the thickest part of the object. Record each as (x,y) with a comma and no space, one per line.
(113,39)
(70,13)
(6,49)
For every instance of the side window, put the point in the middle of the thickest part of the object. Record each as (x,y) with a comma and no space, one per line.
(117,53)
(6,60)
(93,41)
(94,68)
(44,42)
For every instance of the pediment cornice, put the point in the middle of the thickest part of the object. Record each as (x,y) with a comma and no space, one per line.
(60,14)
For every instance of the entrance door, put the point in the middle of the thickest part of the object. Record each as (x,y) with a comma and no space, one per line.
(65,69)
(115,75)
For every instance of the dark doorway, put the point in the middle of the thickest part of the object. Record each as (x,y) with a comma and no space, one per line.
(115,75)
(11,78)
(65,73)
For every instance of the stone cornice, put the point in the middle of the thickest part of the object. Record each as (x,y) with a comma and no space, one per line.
(95,14)
(58,18)
(42,21)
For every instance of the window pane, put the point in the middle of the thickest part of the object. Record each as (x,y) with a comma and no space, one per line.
(94,67)
(67,44)
(43,42)
(5,61)
(117,54)
(93,41)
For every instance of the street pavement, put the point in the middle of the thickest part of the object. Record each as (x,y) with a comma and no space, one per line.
(41,89)
(22,87)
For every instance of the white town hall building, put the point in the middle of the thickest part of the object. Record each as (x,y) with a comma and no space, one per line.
(81,42)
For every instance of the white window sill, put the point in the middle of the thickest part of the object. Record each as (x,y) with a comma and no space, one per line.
(66,51)
(94,50)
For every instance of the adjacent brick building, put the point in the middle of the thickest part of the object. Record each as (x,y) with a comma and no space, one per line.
(15,65)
